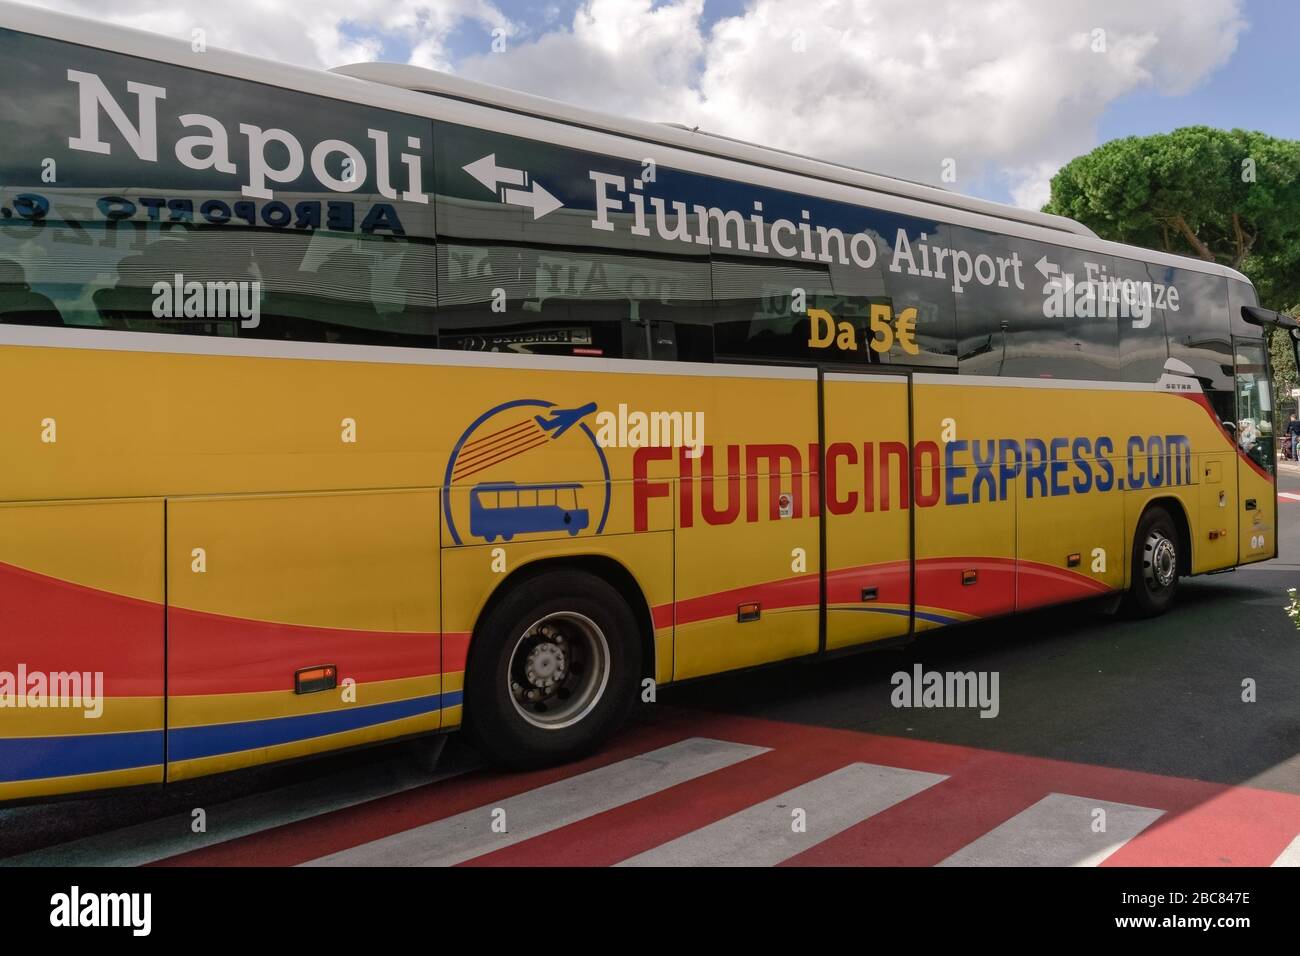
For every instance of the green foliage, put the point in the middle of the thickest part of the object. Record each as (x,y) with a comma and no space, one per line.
(1282,358)
(1228,196)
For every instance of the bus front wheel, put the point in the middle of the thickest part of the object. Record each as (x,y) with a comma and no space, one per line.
(1155,564)
(553,670)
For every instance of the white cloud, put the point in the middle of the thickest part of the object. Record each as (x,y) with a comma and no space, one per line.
(623,56)
(319,33)
(1008,90)
(897,86)
(1031,186)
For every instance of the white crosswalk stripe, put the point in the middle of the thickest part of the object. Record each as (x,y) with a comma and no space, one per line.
(765,834)
(467,835)
(1057,831)
(1291,855)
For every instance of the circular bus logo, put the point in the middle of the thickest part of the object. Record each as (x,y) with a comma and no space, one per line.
(526,467)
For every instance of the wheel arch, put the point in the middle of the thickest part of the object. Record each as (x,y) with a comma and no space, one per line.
(1173,506)
(608,569)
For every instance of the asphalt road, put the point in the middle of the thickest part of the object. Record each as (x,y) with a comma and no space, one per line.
(1161,696)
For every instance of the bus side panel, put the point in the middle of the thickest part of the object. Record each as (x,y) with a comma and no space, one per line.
(1174,447)
(868,546)
(81,626)
(473,572)
(748,531)
(1070,540)
(772,563)
(1069,549)
(1257,540)
(1216,547)
(261,587)
(955,533)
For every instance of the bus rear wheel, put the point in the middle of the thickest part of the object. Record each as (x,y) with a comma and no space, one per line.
(553,670)
(1155,564)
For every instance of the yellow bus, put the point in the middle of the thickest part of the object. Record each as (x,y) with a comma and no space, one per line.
(345,407)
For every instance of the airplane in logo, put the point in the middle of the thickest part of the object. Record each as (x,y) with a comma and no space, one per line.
(562,419)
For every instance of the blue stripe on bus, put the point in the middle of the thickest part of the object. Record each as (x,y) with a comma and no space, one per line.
(33,758)
(187,743)
(921,615)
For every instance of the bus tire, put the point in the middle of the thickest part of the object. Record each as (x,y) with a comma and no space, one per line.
(553,670)
(1155,565)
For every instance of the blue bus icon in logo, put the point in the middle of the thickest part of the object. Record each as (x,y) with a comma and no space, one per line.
(505,509)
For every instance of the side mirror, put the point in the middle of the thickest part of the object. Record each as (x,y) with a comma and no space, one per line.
(1265,317)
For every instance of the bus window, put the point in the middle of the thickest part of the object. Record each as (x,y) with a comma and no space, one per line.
(932,298)
(842,271)
(757,315)
(1198,334)
(1051,319)
(1254,404)
(1241,294)
(19,304)
(103,245)
(522,269)
(1143,344)
(552,301)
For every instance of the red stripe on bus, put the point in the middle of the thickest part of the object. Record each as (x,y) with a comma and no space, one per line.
(1040,585)
(466,458)
(513,452)
(1200,399)
(772,595)
(55,625)
(938,584)
(477,442)
(455,650)
(216,654)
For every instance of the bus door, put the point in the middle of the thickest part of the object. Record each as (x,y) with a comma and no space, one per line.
(1256,539)
(965,526)
(867,508)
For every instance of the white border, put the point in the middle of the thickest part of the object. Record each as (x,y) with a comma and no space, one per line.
(996,381)
(893,378)
(113,340)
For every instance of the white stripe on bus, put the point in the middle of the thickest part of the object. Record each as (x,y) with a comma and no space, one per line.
(112,340)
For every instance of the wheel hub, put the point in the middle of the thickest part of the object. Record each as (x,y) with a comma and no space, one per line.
(558,670)
(546,665)
(1161,565)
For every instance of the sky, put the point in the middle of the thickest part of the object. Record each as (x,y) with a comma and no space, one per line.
(987,98)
